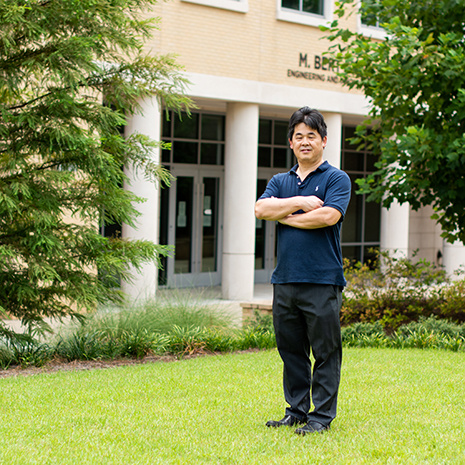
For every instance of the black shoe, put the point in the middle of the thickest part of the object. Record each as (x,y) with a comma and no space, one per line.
(311,427)
(288,420)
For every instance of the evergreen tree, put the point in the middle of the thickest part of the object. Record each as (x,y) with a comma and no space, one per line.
(61,153)
(415,80)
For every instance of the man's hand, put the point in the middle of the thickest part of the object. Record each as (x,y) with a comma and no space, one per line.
(273,208)
(310,202)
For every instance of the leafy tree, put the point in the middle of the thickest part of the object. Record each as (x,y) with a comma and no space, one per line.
(415,81)
(61,154)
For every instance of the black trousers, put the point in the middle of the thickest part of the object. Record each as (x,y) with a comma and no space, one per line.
(306,318)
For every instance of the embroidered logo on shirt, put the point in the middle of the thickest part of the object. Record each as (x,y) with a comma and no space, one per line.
(316,188)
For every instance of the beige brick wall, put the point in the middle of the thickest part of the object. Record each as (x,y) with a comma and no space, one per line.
(254,45)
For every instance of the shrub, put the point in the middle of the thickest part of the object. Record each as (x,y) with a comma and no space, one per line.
(184,327)
(364,335)
(397,291)
(25,353)
(253,339)
(433,325)
(260,322)
(86,345)
(452,304)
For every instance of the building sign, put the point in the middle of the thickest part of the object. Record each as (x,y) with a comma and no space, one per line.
(315,68)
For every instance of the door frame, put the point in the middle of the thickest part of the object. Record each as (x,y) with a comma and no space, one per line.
(195,278)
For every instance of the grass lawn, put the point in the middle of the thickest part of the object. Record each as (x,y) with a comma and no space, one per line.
(395,407)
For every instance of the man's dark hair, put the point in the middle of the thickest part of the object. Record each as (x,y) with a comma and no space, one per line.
(312,118)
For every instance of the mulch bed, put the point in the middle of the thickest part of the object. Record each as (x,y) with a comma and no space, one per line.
(80,365)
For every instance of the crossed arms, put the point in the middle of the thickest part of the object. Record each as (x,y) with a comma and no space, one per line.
(315,214)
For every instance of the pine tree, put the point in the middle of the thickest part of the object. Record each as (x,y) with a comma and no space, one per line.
(61,153)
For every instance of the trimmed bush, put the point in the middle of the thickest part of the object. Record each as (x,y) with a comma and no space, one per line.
(397,291)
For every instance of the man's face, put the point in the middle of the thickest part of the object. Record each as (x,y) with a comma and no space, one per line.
(307,144)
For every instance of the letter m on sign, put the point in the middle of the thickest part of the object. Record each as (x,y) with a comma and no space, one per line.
(303,60)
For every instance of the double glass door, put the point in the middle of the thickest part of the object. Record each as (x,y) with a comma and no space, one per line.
(195,226)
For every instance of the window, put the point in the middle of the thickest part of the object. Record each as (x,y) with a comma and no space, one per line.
(369,23)
(195,139)
(309,12)
(273,146)
(274,156)
(305,6)
(241,6)
(361,226)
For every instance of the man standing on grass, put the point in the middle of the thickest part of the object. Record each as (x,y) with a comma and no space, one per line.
(309,203)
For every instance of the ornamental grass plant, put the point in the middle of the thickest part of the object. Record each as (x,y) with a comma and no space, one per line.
(179,327)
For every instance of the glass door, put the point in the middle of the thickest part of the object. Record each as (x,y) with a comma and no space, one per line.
(195,226)
(265,238)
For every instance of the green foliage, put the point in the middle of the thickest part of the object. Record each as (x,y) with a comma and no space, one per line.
(181,328)
(395,308)
(178,328)
(255,339)
(85,346)
(396,291)
(261,322)
(153,327)
(61,151)
(427,333)
(25,353)
(415,81)
(433,325)
(452,304)
(354,335)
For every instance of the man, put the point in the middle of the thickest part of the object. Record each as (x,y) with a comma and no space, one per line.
(309,203)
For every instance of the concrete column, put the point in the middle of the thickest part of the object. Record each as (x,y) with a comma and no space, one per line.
(425,235)
(144,284)
(395,229)
(240,185)
(454,258)
(332,151)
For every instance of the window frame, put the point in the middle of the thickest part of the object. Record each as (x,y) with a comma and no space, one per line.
(198,139)
(302,17)
(240,6)
(273,146)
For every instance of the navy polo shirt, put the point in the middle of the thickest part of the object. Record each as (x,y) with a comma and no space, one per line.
(311,255)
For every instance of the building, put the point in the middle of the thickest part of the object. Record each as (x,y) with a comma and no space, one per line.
(251,63)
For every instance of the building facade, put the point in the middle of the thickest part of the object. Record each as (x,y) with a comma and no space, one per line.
(251,64)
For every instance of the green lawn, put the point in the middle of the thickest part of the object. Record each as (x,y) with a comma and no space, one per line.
(395,406)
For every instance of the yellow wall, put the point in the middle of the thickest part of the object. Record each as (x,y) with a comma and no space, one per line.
(254,45)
